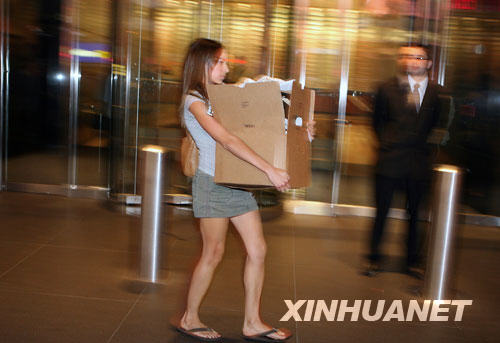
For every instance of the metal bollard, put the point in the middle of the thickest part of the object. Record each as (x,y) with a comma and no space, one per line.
(152,212)
(439,272)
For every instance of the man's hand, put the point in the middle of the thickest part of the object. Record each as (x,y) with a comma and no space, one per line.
(311,130)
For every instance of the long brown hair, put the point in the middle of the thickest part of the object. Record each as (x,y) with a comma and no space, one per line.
(201,56)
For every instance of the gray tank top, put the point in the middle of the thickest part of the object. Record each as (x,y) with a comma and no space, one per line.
(204,142)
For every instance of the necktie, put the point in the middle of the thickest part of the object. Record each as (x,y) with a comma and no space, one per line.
(416,96)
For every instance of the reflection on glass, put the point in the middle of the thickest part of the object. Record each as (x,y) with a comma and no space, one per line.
(95,94)
(472,75)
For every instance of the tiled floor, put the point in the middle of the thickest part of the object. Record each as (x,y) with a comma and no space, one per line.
(68,274)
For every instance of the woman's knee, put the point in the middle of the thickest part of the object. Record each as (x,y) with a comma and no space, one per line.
(257,252)
(213,253)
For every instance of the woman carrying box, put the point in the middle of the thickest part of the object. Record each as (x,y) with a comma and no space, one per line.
(215,205)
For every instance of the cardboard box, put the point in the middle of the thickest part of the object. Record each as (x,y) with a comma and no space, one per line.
(255,114)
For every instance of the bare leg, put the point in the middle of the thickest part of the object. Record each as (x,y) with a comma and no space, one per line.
(249,227)
(213,234)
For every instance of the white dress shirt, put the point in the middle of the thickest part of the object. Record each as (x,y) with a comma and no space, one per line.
(422,86)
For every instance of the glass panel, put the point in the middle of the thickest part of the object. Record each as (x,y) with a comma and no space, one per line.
(281,26)
(151,41)
(37,115)
(358,153)
(375,31)
(464,48)
(162,54)
(93,123)
(472,75)
(323,147)
(243,29)
(167,27)
(321,41)
(126,94)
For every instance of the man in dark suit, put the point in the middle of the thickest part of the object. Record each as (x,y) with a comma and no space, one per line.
(406,109)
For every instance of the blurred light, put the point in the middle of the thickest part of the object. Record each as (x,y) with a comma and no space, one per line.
(153,148)
(464,4)
(59,76)
(448,169)
(65,55)
(236,60)
(92,53)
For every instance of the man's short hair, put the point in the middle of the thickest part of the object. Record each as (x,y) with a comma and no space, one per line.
(424,47)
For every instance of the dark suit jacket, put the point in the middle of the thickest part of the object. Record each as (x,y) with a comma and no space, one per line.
(402,132)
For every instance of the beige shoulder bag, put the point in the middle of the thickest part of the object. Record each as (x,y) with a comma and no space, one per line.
(189,155)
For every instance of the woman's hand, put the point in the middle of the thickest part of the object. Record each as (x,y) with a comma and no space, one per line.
(311,129)
(279,178)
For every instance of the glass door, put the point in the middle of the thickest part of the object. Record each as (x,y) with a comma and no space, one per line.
(150,43)
(36,122)
(319,42)
(90,56)
(374,33)
(58,95)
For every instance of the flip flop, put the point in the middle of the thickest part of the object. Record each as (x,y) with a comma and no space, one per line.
(192,333)
(264,337)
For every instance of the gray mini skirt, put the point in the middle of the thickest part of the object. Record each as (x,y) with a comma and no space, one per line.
(211,200)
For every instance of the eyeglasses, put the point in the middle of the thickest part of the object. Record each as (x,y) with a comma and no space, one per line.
(413,57)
